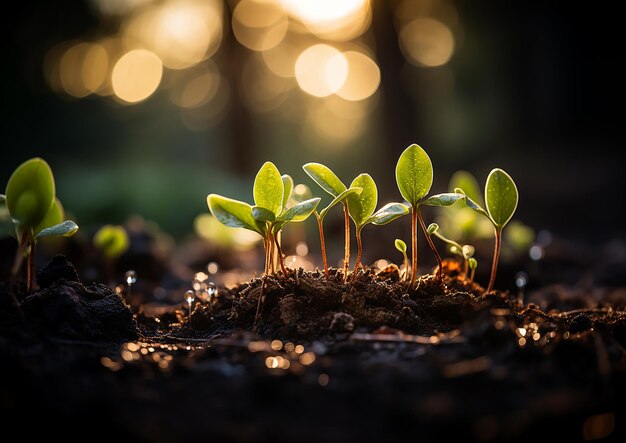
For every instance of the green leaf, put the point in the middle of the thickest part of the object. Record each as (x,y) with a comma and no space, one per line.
(112,241)
(432,228)
(501,197)
(466,181)
(65,229)
(361,206)
(388,213)
(30,192)
(445,199)
(400,245)
(414,174)
(472,263)
(262,214)
(325,178)
(471,203)
(55,215)
(339,198)
(287,188)
(233,213)
(298,213)
(268,188)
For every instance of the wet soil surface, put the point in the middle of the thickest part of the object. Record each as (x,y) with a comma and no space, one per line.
(365,360)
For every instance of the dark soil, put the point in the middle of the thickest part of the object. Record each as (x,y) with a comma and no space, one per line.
(367,360)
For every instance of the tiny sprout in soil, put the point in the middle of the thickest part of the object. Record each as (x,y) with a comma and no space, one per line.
(501,199)
(401,246)
(35,210)
(464,251)
(269,215)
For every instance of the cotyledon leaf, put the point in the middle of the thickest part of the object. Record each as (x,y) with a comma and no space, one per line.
(414,174)
(268,188)
(445,199)
(262,214)
(30,192)
(362,206)
(297,213)
(501,197)
(287,188)
(400,245)
(233,213)
(65,229)
(388,213)
(471,203)
(55,215)
(325,178)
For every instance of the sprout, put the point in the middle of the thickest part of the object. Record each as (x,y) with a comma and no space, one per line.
(414,176)
(501,198)
(361,207)
(473,264)
(269,215)
(112,242)
(329,182)
(464,251)
(401,246)
(36,212)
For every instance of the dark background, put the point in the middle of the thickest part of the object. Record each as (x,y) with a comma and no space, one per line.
(537,91)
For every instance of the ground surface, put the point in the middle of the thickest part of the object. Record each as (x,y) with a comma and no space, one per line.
(364,360)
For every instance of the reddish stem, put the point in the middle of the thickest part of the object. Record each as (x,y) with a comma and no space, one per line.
(413,245)
(30,269)
(359,249)
(322,243)
(281,258)
(494,263)
(432,246)
(346,257)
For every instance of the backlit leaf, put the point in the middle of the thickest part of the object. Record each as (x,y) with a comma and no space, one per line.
(55,215)
(287,188)
(400,245)
(445,199)
(388,213)
(325,178)
(338,199)
(298,213)
(233,213)
(501,197)
(361,206)
(30,192)
(268,188)
(414,174)
(64,229)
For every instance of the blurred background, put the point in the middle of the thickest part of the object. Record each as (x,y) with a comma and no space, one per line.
(146,106)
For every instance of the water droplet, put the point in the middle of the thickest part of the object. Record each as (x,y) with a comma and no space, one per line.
(131,277)
(521,280)
(190,296)
(212,290)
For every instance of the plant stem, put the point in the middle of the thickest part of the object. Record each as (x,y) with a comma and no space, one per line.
(346,257)
(406,265)
(432,246)
(281,258)
(322,243)
(359,249)
(30,269)
(496,256)
(266,246)
(472,272)
(413,245)
(19,253)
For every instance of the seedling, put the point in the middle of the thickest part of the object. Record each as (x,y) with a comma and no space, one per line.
(501,198)
(473,264)
(361,207)
(464,251)
(401,246)
(269,215)
(329,182)
(36,212)
(414,176)
(112,242)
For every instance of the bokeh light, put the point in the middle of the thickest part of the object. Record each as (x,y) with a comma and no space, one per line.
(70,70)
(136,75)
(196,88)
(363,77)
(259,24)
(321,70)
(181,32)
(427,42)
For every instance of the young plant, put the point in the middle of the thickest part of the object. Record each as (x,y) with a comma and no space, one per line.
(112,241)
(329,182)
(361,207)
(36,212)
(473,264)
(464,251)
(501,199)
(414,176)
(401,246)
(268,215)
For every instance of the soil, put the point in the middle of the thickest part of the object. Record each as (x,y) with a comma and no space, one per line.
(370,359)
